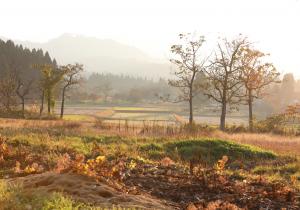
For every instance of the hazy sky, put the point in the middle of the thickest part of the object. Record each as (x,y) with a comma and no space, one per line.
(153,25)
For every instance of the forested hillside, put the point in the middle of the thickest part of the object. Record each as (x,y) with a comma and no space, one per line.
(18,77)
(103,56)
(18,58)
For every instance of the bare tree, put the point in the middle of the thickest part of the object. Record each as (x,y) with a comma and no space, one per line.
(186,58)
(256,75)
(22,91)
(71,77)
(223,75)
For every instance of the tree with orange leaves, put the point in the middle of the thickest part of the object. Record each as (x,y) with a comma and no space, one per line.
(256,75)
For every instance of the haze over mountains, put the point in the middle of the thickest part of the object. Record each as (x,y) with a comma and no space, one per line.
(102,55)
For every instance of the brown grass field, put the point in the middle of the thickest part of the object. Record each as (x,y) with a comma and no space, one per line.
(277,143)
(96,164)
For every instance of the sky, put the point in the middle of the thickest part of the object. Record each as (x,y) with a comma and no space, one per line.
(154,25)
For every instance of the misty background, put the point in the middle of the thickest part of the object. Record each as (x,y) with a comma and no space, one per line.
(141,32)
(125,47)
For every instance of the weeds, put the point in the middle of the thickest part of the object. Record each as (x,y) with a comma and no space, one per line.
(12,196)
(184,165)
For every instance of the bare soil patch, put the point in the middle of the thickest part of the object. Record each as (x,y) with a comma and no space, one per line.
(87,190)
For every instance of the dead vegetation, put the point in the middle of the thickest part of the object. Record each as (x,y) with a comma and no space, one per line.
(200,171)
(86,190)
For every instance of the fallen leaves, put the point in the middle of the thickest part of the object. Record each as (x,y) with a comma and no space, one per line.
(205,188)
(218,192)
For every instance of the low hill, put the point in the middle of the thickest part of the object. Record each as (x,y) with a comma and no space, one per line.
(102,55)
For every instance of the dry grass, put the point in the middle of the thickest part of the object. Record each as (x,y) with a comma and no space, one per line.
(287,145)
(280,144)
(179,119)
(21,123)
(34,146)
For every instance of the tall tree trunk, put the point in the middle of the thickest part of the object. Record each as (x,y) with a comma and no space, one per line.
(250,103)
(42,104)
(62,103)
(223,116)
(224,109)
(23,107)
(191,118)
(49,103)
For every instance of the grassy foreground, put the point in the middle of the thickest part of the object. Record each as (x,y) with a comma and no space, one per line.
(36,147)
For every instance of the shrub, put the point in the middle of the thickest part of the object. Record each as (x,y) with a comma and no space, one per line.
(275,124)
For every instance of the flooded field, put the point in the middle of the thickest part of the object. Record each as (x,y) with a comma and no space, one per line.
(168,115)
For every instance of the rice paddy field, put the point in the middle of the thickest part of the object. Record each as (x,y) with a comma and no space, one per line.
(137,114)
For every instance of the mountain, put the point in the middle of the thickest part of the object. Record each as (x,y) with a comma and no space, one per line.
(101,55)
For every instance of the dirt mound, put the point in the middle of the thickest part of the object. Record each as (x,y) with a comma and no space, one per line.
(87,190)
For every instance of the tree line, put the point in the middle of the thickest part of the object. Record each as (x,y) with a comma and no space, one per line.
(31,75)
(109,88)
(236,73)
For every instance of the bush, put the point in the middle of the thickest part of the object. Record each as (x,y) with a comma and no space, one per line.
(273,124)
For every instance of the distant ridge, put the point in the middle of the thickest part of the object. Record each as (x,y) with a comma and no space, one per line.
(101,55)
